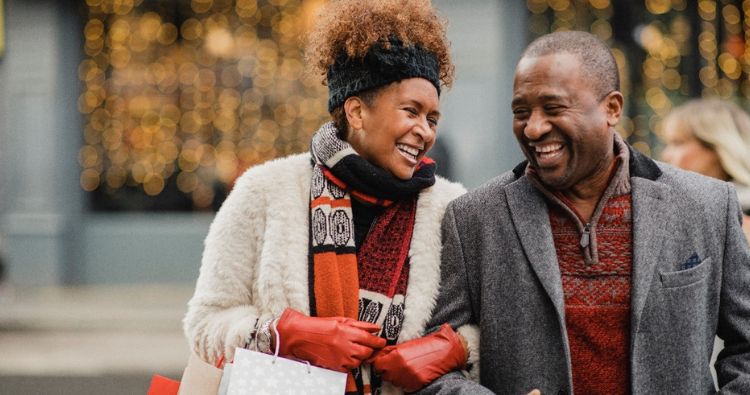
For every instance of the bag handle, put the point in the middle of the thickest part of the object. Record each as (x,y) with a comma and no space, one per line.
(278,341)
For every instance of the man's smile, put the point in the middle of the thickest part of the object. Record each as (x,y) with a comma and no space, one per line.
(547,154)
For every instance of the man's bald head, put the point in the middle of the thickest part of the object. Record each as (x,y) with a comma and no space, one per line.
(595,56)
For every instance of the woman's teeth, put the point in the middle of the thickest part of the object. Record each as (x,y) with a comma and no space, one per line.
(408,151)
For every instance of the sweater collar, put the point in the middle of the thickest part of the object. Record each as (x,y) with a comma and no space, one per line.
(619,182)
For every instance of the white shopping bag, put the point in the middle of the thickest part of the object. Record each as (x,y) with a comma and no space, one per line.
(258,373)
(224,384)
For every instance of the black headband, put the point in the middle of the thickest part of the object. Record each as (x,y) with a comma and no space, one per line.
(380,66)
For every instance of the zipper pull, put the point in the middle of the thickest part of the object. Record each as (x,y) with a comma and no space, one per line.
(585,237)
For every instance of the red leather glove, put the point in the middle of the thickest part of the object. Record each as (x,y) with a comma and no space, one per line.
(413,364)
(335,343)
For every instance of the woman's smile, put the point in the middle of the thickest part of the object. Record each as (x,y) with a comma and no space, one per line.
(409,152)
(398,128)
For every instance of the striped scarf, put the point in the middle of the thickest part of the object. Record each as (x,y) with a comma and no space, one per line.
(339,276)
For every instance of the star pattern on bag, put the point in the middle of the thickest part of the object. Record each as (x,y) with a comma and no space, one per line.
(257,373)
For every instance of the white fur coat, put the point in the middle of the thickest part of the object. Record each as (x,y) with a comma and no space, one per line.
(255,261)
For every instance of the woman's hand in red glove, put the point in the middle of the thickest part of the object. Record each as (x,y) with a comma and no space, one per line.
(414,364)
(335,343)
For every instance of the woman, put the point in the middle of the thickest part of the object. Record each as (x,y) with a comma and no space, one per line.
(712,137)
(339,249)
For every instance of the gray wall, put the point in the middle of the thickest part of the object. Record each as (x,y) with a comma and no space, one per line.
(487,37)
(39,134)
(50,238)
(144,248)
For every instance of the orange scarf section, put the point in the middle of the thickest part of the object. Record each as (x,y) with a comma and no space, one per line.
(336,278)
(335,273)
(336,285)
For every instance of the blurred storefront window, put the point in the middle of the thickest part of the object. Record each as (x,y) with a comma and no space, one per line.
(180,97)
(668,51)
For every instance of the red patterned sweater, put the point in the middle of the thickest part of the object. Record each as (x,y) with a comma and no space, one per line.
(596,277)
(597,298)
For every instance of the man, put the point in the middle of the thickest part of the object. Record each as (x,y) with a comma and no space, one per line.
(590,267)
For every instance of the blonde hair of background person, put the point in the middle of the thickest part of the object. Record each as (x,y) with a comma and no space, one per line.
(712,137)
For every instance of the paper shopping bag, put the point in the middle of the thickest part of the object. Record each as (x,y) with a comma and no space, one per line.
(224,385)
(257,373)
(200,378)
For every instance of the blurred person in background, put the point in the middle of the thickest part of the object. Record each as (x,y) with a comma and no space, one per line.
(339,249)
(712,137)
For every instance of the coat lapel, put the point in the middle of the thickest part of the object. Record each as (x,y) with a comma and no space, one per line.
(650,211)
(531,220)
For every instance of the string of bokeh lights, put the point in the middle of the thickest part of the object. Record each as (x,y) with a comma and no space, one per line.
(723,42)
(197,102)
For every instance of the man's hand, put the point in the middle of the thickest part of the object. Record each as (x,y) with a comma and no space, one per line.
(413,364)
(335,343)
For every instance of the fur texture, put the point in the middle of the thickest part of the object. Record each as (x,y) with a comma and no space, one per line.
(255,261)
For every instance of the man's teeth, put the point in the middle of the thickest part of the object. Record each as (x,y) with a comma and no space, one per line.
(408,150)
(543,149)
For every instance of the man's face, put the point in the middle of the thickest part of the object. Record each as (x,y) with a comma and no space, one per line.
(562,125)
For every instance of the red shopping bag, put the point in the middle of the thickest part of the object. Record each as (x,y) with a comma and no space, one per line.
(161,385)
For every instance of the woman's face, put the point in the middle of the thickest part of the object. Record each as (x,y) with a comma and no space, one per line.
(685,151)
(398,128)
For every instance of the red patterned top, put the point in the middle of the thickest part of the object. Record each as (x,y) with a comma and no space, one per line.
(597,296)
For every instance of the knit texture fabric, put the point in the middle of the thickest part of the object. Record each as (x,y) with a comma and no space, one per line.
(381,65)
(369,284)
(597,298)
(383,265)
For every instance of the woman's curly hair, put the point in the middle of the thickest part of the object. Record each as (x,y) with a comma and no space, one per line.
(353,26)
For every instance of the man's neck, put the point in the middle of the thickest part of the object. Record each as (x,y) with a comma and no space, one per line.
(584,197)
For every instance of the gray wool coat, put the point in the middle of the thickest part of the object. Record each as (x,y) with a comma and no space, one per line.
(500,271)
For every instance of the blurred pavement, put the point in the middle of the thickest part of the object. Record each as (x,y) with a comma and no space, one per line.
(93,340)
(90,340)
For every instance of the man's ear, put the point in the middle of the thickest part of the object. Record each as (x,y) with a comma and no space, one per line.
(354,109)
(614,102)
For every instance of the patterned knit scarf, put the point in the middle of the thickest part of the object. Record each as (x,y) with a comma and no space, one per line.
(360,285)
(338,174)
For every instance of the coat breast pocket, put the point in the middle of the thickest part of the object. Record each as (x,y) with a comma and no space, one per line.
(686,277)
